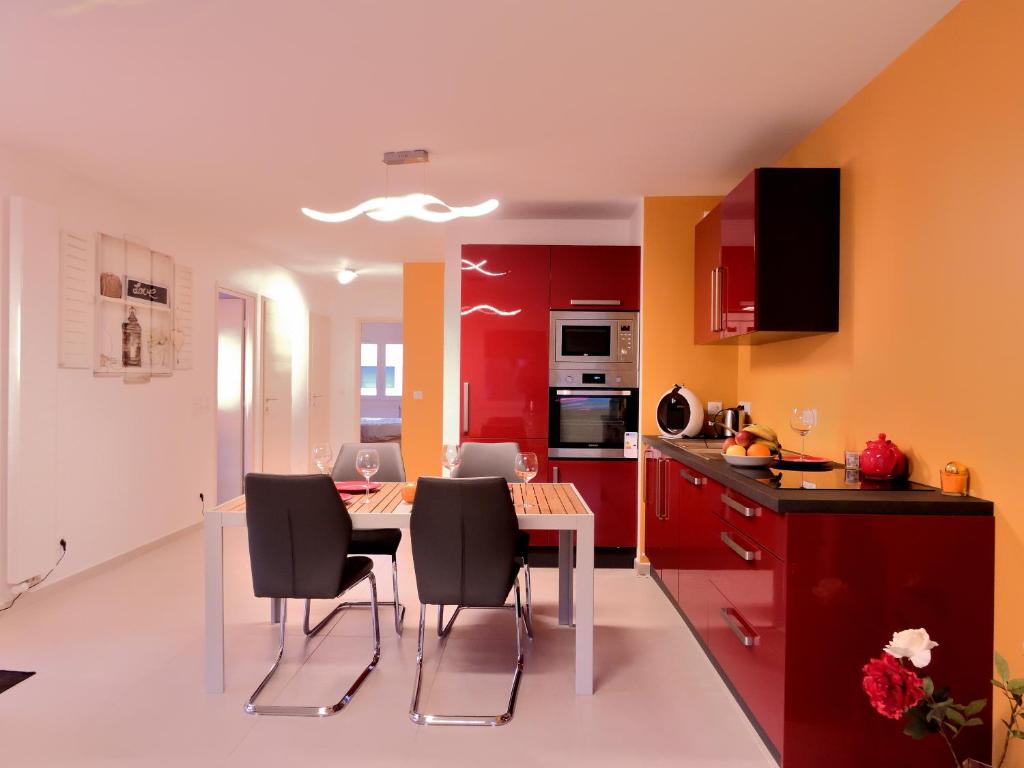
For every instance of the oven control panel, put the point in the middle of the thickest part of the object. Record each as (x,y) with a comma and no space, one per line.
(625,341)
(612,376)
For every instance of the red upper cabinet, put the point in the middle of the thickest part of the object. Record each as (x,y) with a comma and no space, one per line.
(504,347)
(595,277)
(766,260)
(707,259)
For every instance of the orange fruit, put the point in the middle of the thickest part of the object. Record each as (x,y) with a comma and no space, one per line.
(759,449)
(409,492)
(735,450)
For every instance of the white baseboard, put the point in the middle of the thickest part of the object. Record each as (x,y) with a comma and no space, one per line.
(75,578)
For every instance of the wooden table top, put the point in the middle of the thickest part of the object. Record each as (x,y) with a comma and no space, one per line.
(543,498)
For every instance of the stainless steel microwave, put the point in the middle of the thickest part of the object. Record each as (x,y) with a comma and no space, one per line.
(582,339)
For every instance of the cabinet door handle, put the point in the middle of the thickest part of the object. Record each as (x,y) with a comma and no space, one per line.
(750,555)
(554,474)
(733,623)
(659,508)
(714,296)
(743,510)
(599,302)
(465,407)
(691,479)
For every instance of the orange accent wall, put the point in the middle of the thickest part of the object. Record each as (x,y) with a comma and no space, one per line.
(423,336)
(668,354)
(929,348)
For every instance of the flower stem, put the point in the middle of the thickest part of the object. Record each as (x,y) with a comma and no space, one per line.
(949,743)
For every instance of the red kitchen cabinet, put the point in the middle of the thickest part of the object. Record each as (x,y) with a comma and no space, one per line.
(657,542)
(504,348)
(766,263)
(595,277)
(610,489)
(707,260)
(696,548)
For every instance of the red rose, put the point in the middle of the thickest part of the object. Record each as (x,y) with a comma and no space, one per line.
(891,687)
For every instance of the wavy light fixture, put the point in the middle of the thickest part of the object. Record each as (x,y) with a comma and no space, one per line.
(488,309)
(418,205)
(468,265)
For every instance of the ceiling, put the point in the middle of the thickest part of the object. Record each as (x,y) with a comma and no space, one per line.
(234,113)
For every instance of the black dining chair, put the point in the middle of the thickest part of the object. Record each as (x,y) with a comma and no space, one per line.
(299,534)
(375,541)
(496,460)
(464,553)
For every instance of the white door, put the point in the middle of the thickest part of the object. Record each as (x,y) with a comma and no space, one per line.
(319,383)
(277,389)
(231,387)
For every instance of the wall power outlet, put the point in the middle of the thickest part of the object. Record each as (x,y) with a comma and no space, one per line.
(745,405)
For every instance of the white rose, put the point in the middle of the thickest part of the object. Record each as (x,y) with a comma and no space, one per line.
(913,644)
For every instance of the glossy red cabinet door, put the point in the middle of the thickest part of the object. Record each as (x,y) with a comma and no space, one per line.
(739,215)
(504,349)
(707,270)
(610,489)
(655,539)
(695,546)
(595,277)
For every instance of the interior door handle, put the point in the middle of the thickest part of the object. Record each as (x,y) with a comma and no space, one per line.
(733,623)
(750,555)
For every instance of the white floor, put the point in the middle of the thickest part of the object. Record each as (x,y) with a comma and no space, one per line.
(119,682)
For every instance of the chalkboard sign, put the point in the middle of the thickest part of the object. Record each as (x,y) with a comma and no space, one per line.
(141,291)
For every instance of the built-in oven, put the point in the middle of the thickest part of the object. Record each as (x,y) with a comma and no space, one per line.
(584,339)
(590,421)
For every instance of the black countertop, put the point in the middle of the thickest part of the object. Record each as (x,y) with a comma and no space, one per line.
(856,501)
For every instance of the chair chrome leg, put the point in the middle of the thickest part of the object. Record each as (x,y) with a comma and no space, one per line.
(252,708)
(399,608)
(422,718)
(528,608)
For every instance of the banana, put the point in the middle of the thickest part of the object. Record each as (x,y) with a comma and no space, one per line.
(765,433)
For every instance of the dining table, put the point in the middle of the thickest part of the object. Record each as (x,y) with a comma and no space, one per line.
(539,506)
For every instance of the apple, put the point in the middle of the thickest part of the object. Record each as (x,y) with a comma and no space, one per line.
(729,443)
(746,439)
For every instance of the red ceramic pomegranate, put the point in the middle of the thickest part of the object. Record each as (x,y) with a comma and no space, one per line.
(882,460)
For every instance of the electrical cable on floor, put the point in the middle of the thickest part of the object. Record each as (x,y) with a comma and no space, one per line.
(64,551)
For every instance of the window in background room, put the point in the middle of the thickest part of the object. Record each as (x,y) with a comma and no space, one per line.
(380,381)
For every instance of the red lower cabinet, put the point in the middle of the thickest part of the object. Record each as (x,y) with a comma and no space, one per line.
(791,607)
(610,489)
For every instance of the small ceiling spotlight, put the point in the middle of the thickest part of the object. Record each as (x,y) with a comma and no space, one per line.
(346,276)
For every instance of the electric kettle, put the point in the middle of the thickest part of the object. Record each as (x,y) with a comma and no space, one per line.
(729,421)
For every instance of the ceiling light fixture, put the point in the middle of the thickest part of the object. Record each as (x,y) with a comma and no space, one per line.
(418,205)
(346,276)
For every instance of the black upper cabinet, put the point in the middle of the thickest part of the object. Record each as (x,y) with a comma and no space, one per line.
(777,274)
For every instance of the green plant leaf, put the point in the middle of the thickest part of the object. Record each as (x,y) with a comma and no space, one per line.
(975,707)
(955,716)
(1002,667)
(916,728)
(928,685)
(1016,685)
(974,721)
(998,684)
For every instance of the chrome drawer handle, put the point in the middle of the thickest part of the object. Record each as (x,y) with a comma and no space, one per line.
(748,641)
(600,302)
(747,554)
(745,511)
(692,479)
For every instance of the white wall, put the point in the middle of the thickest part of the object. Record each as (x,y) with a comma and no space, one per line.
(507,231)
(129,461)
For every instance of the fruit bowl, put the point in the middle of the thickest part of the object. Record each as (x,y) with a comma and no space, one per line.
(748,461)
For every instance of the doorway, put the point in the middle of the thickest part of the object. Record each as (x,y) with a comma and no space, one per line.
(234,392)
(380,381)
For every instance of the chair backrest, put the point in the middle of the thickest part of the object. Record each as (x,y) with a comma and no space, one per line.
(488,460)
(463,541)
(392,468)
(299,535)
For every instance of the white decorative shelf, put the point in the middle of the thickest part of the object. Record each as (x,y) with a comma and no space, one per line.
(134,303)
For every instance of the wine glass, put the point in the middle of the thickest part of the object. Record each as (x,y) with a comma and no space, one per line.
(367,464)
(322,455)
(526,469)
(451,457)
(802,420)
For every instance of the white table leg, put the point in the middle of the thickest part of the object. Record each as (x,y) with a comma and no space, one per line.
(565,577)
(585,608)
(213,568)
